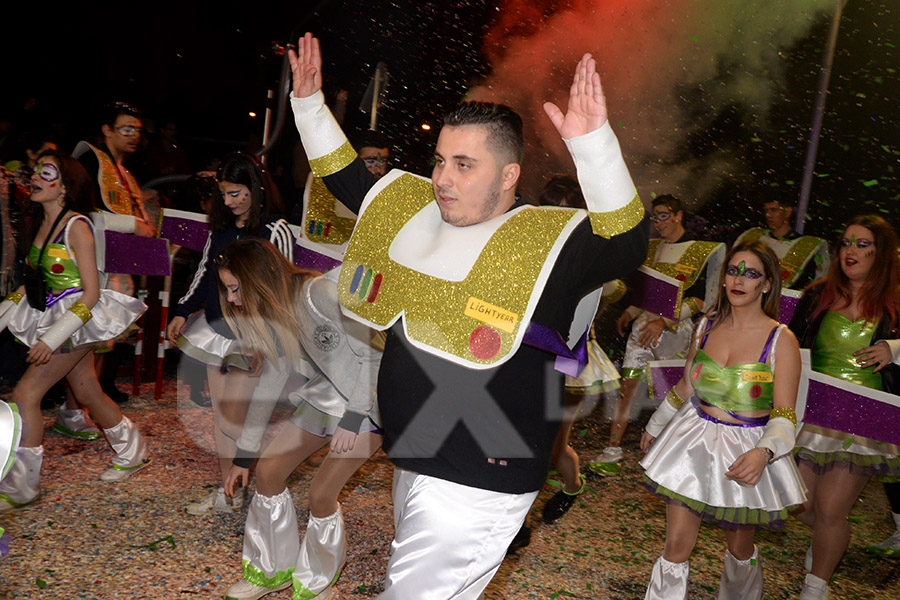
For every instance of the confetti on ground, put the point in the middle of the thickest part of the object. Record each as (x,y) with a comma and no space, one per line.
(90,539)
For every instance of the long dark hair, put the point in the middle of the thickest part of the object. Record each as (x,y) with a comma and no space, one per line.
(771,299)
(880,292)
(246,169)
(80,191)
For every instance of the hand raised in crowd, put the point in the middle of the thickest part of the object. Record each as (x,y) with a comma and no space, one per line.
(586,111)
(306,66)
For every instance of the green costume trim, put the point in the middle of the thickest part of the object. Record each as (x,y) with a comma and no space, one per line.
(633,373)
(301,592)
(738,516)
(257,577)
(141,465)
(78,435)
(81,311)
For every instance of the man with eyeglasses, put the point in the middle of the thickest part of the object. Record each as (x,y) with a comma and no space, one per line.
(122,207)
(803,258)
(678,255)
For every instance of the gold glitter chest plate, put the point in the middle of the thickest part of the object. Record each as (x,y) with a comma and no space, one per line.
(689,265)
(321,222)
(120,197)
(480,319)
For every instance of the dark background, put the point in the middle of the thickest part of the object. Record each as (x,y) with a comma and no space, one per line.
(208,65)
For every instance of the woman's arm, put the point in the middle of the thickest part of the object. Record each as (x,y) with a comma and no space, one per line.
(677,395)
(778,439)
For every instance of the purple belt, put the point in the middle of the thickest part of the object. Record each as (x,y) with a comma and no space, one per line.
(54,298)
(697,401)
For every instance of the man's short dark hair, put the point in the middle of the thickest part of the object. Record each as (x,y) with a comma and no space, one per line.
(113,110)
(369,139)
(669,201)
(503,123)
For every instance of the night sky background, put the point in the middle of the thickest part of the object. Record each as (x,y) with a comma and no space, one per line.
(711,99)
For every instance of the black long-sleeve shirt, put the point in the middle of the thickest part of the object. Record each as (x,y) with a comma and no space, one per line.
(491,429)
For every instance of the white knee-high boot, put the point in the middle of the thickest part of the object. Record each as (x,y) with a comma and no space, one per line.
(130,451)
(323,553)
(814,588)
(75,424)
(668,581)
(22,483)
(271,540)
(741,579)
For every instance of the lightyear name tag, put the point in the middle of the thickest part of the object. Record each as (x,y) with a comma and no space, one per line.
(756,377)
(492,315)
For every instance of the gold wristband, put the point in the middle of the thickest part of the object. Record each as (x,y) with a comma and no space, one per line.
(674,399)
(81,311)
(785,412)
(15,297)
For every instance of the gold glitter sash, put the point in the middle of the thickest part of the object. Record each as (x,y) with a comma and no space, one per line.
(478,322)
(793,255)
(689,265)
(118,197)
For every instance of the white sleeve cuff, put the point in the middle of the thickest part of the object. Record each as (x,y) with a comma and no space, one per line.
(778,437)
(319,131)
(62,330)
(114,222)
(602,173)
(660,418)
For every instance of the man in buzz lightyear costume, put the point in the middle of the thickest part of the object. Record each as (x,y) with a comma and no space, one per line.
(470,269)
(803,258)
(678,255)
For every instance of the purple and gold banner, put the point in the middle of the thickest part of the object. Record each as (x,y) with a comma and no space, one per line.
(789,299)
(185,229)
(136,255)
(307,258)
(837,404)
(654,292)
(663,376)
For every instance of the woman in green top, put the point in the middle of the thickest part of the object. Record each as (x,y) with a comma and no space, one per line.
(719,446)
(849,320)
(62,324)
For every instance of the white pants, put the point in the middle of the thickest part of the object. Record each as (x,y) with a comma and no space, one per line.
(449,538)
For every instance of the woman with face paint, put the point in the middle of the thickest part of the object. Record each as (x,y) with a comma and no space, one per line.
(719,446)
(249,206)
(61,322)
(849,320)
(293,318)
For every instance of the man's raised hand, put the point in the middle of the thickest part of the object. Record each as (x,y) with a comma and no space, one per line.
(586,111)
(306,66)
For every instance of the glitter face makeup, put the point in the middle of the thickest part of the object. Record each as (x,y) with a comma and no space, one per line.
(741,270)
(46,171)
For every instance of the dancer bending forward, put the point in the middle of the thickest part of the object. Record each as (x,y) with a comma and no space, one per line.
(61,325)
(271,305)
(724,455)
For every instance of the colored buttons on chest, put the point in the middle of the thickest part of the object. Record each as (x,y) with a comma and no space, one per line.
(484,342)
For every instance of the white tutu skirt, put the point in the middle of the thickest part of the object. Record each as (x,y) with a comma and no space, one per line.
(599,375)
(204,344)
(826,448)
(112,318)
(688,461)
